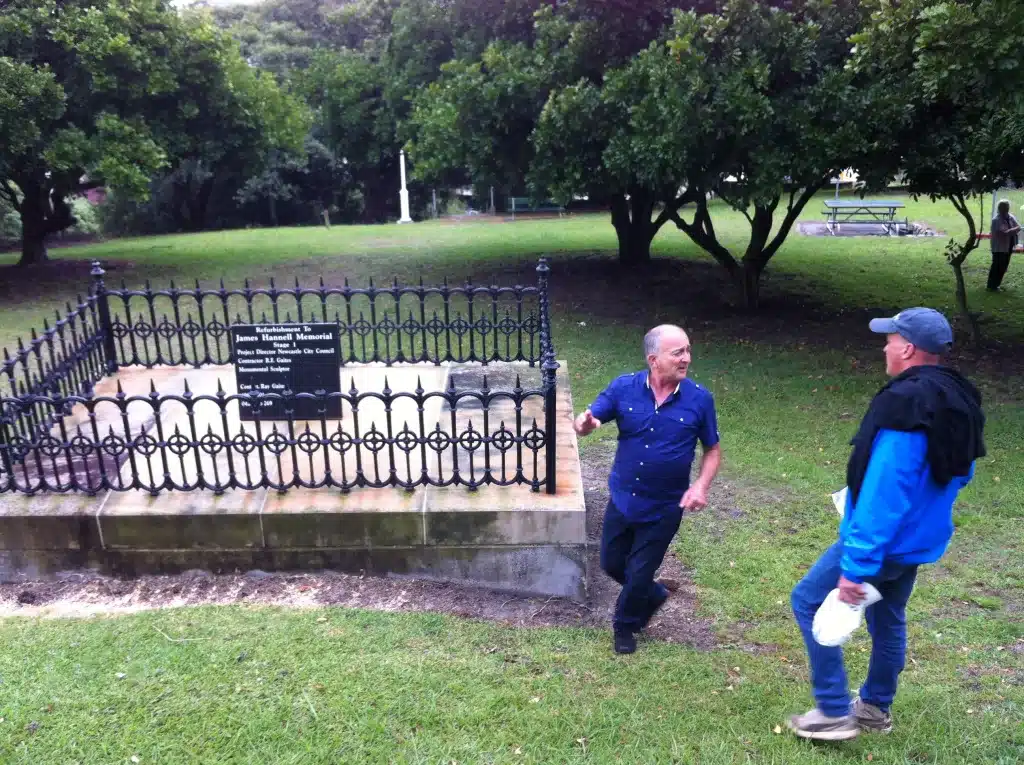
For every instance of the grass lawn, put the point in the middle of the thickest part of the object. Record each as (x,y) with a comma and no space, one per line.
(241,684)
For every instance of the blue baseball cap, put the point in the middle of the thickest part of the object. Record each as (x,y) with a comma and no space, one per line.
(924,327)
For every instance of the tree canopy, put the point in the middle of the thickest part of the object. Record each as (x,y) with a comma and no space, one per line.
(752,104)
(948,80)
(292,111)
(109,92)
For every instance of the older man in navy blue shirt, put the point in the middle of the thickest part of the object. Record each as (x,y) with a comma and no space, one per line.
(660,415)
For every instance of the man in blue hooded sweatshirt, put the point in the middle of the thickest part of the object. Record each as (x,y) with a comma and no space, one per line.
(915,449)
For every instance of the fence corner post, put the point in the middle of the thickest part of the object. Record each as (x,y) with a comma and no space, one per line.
(99,291)
(549,370)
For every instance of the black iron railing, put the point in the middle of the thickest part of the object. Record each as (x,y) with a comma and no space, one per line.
(56,436)
(66,359)
(395,324)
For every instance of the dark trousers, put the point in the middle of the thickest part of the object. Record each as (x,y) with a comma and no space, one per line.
(887,624)
(1000,264)
(631,553)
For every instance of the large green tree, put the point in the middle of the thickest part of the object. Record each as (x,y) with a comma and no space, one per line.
(755,106)
(478,118)
(362,94)
(107,92)
(950,82)
(659,112)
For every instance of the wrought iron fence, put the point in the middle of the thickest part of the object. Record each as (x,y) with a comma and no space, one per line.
(55,436)
(64,360)
(187,442)
(394,324)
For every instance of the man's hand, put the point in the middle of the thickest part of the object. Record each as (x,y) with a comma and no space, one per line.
(851,592)
(695,499)
(586,424)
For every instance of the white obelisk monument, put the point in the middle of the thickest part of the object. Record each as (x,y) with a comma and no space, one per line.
(404,194)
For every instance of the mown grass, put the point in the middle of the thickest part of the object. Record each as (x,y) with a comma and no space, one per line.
(252,685)
(276,686)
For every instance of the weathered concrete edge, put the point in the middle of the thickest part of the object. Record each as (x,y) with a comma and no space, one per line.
(548,570)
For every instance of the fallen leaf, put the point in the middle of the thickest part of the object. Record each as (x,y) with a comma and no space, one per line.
(135,758)
(535,700)
(322,619)
(970,711)
(729,688)
(777,730)
(732,564)
(518,750)
(121,675)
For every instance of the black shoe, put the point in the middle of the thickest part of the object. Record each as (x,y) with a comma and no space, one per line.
(625,641)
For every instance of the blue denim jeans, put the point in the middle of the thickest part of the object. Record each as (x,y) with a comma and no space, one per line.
(886,622)
(631,552)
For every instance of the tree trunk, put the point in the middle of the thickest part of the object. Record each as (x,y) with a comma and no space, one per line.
(956,254)
(961,301)
(198,205)
(750,284)
(33,250)
(634,228)
(33,227)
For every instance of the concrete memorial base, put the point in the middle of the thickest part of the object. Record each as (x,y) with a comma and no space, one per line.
(506,537)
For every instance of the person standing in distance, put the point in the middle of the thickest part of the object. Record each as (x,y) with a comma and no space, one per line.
(1003,237)
(661,414)
(915,449)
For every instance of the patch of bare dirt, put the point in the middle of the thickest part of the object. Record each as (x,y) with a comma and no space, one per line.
(82,594)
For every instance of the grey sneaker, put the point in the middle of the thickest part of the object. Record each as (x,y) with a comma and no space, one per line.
(816,725)
(870,718)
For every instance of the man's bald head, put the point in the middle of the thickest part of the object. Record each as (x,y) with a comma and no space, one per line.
(653,339)
(667,348)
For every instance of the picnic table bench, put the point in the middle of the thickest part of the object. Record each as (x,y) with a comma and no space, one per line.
(864,211)
(525,204)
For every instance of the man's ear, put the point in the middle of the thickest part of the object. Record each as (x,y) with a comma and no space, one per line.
(909,350)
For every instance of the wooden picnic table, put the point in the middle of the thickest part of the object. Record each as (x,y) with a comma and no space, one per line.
(862,211)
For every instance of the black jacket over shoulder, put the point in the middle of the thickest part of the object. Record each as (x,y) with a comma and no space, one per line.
(937,400)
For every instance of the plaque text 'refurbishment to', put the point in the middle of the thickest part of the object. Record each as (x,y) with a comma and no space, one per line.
(279,358)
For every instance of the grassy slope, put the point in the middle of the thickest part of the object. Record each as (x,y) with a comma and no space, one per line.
(380,688)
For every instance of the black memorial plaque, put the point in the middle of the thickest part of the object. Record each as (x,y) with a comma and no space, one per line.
(274,358)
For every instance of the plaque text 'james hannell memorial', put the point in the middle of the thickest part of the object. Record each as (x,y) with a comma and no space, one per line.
(300,358)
